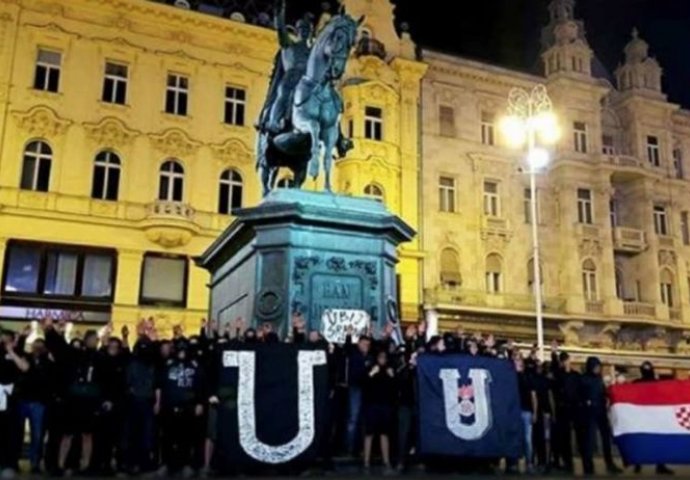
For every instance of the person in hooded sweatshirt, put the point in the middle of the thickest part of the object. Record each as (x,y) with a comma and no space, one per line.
(139,401)
(108,440)
(180,399)
(595,417)
(83,398)
(647,374)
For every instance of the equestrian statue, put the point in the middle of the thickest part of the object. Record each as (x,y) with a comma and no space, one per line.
(303,108)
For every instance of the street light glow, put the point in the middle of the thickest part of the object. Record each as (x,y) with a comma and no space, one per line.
(514,130)
(546,128)
(538,158)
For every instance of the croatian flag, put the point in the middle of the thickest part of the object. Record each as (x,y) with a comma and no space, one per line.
(651,422)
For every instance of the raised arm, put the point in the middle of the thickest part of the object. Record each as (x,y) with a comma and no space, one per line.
(281,27)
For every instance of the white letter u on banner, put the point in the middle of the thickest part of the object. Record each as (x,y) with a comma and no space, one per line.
(246,411)
(482,404)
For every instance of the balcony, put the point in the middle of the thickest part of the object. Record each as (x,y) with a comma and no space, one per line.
(630,240)
(594,307)
(170,224)
(505,301)
(624,161)
(637,309)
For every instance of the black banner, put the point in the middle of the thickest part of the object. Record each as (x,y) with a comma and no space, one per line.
(273,407)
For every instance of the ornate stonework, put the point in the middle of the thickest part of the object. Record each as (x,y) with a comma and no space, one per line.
(233,152)
(175,143)
(41,121)
(110,132)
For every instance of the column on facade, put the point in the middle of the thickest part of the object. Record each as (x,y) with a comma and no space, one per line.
(3,249)
(127,287)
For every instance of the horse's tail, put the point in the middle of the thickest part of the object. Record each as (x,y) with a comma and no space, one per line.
(260,150)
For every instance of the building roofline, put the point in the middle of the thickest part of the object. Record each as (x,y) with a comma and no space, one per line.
(462,61)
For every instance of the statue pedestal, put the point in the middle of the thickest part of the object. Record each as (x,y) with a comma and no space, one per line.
(305,252)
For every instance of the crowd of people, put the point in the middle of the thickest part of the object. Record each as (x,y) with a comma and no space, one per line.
(100,405)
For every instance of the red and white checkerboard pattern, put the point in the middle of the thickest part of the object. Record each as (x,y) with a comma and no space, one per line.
(683,417)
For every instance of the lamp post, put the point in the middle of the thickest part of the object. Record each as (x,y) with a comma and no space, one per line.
(530,122)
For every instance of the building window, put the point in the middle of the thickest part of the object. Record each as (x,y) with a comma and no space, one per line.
(106,176)
(374,192)
(653,155)
(487,128)
(446,192)
(447,121)
(620,284)
(685,227)
(231,188)
(171,188)
(450,268)
(613,212)
(666,286)
(177,95)
(373,123)
(492,204)
(71,273)
(494,277)
(115,83)
(608,146)
(678,163)
(164,280)
(589,281)
(36,167)
(584,206)
(47,75)
(580,137)
(527,205)
(660,220)
(235,105)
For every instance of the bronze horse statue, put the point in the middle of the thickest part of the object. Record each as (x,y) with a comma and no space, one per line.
(313,121)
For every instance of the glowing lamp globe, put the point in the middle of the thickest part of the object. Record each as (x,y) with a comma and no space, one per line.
(514,130)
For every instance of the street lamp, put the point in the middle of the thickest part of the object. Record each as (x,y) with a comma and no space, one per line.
(531,122)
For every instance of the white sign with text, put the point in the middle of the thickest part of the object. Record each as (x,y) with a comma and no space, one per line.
(336,323)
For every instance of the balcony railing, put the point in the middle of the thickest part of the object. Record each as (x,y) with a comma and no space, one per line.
(495,223)
(459,296)
(629,239)
(595,307)
(172,210)
(625,161)
(637,309)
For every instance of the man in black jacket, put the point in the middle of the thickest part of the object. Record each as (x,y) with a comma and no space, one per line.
(83,400)
(567,399)
(595,417)
(180,399)
(358,363)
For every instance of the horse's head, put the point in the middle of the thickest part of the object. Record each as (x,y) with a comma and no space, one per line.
(335,43)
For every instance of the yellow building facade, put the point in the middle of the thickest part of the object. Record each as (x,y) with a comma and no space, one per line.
(613,204)
(126,141)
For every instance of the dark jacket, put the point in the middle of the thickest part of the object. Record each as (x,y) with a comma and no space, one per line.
(593,389)
(182,384)
(379,389)
(38,384)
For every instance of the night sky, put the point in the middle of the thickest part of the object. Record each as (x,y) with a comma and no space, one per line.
(507,32)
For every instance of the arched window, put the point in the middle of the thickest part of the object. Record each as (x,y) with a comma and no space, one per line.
(230,197)
(375,192)
(38,157)
(667,282)
(106,176)
(171,187)
(589,281)
(494,275)
(530,275)
(450,268)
